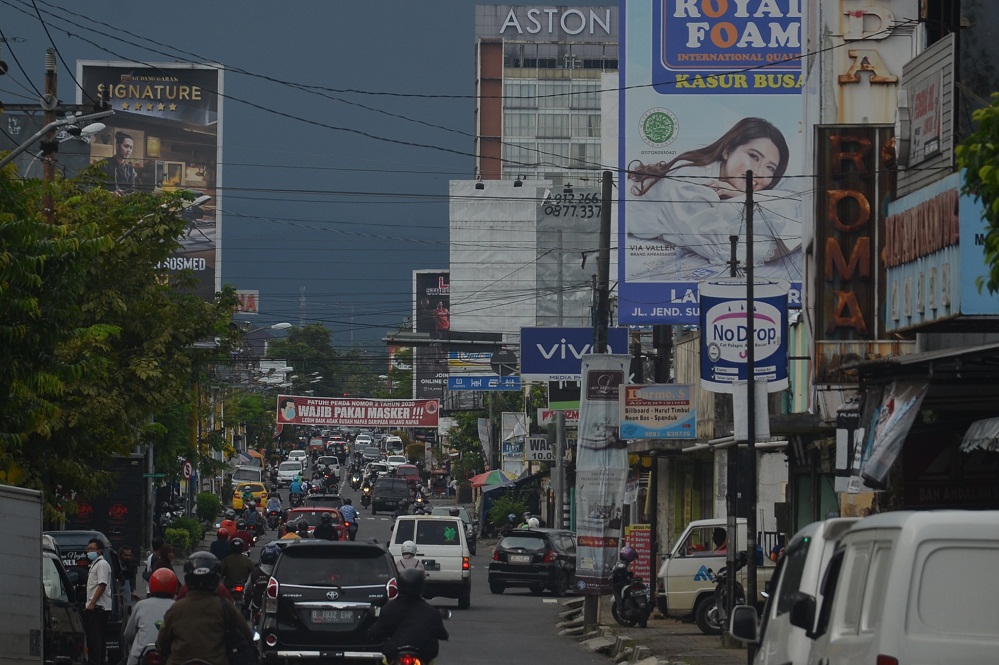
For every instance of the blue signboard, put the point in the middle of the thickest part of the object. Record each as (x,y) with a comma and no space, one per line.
(485,382)
(556,354)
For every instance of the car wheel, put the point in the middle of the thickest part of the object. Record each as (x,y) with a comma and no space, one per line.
(537,589)
(561,586)
(497,587)
(465,597)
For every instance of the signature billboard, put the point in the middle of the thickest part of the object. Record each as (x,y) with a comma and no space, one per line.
(164,136)
(709,92)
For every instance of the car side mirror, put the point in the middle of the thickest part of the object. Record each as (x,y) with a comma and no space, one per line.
(803,613)
(744,625)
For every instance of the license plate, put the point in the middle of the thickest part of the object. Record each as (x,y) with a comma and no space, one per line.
(520,558)
(430,564)
(332,616)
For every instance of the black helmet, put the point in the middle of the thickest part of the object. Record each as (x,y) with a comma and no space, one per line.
(241,524)
(269,555)
(237,545)
(230,514)
(326,517)
(411,582)
(202,571)
(346,501)
(303,526)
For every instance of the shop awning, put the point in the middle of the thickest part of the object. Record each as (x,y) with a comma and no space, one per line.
(981,435)
(253,453)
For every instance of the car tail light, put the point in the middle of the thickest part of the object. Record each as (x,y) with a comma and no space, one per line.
(409,659)
(495,555)
(465,563)
(271,640)
(886,660)
(550,556)
(392,588)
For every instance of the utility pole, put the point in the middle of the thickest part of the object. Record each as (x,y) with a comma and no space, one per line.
(750,409)
(732,477)
(560,418)
(50,101)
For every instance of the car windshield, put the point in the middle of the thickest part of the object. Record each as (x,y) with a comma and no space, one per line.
(397,459)
(290,466)
(330,500)
(445,511)
(246,474)
(336,565)
(332,461)
(71,542)
(522,543)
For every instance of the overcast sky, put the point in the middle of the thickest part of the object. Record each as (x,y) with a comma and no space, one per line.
(321,190)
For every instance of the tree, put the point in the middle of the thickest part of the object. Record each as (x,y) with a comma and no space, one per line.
(95,334)
(309,350)
(979,155)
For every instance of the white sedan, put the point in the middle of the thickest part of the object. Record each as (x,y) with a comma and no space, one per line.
(395,460)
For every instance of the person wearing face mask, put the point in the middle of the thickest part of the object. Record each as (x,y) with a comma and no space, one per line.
(98,605)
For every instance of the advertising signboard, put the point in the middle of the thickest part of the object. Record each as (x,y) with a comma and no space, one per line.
(724,330)
(556,354)
(357,412)
(709,91)
(431,314)
(539,449)
(601,471)
(568,227)
(164,136)
(483,382)
(548,416)
(661,411)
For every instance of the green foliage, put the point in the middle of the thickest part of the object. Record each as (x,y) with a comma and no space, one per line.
(510,503)
(95,336)
(191,525)
(978,155)
(415,452)
(209,506)
(179,538)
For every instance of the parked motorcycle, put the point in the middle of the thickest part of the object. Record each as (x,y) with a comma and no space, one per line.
(712,614)
(366,496)
(632,598)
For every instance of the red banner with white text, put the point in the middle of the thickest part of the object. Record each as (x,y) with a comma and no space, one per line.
(357,412)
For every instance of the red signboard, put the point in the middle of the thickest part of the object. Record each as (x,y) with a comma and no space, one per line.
(639,536)
(357,412)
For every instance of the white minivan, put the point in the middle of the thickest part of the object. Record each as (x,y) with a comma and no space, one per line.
(909,587)
(442,546)
(798,572)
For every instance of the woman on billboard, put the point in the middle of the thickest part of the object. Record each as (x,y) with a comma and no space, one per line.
(692,204)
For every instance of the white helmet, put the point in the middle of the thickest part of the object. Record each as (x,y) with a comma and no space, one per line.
(409,548)
(533,522)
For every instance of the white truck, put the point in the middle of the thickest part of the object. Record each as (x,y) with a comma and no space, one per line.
(686,579)
(21,551)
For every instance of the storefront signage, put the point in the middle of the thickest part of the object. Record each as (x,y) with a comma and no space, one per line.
(663,411)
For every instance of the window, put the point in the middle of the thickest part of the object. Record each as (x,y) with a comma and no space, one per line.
(554,153)
(405,531)
(323,566)
(52,581)
(438,532)
(586,125)
(519,94)
(790,578)
(855,567)
(523,542)
(585,156)
(553,94)
(517,155)
(553,125)
(585,95)
(877,584)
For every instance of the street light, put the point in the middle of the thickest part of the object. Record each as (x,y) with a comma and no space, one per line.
(73,132)
(74,120)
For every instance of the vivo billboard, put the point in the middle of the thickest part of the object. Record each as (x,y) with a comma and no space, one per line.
(556,354)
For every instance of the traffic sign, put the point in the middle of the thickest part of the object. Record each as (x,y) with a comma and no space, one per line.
(187,470)
(154,475)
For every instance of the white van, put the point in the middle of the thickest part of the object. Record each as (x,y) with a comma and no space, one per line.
(248,474)
(798,572)
(909,587)
(442,546)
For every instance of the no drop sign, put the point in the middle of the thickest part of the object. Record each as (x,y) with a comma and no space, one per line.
(725,333)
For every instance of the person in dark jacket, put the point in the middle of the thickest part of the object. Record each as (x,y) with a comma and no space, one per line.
(194,627)
(408,620)
(325,530)
(220,547)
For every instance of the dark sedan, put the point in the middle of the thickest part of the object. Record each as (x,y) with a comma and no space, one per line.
(536,558)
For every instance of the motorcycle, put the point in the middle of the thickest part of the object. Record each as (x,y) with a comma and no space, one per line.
(351,530)
(236,591)
(296,500)
(273,519)
(366,496)
(407,656)
(632,597)
(712,614)
(421,506)
(355,480)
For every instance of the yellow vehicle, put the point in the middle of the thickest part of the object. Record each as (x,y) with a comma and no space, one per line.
(259,491)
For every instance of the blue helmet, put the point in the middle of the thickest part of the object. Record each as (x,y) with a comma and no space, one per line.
(269,555)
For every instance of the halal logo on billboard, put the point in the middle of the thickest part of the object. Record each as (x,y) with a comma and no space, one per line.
(658,127)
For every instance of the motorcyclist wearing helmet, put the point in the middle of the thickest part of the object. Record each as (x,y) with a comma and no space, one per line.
(303,528)
(409,559)
(236,567)
(408,620)
(195,626)
(229,523)
(256,585)
(243,533)
(325,530)
(147,614)
(220,547)
(349,514)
